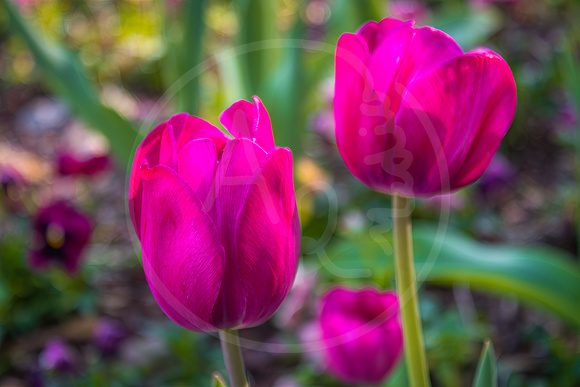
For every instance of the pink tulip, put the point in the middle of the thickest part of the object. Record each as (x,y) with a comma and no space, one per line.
(415,115)
(361,332)
(217,218)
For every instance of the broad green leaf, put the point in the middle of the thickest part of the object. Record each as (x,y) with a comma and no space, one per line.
(486,375)
(65,76)
(217,380)
(537,275)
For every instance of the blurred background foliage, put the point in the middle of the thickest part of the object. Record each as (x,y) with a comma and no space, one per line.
(95,76)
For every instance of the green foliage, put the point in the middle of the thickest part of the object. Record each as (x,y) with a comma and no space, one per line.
(486,375)
(184,49)
(468,27)
(29,300)
(450,340)
(65,75)
(537,275)
(217,380)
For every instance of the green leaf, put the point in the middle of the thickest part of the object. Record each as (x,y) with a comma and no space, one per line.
(230,68)
(257,24)
(486,375)
(537,275)
(217,380)
(65,76)
(285,107)
(184,44)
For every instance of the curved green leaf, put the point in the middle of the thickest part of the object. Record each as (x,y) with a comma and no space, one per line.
(537,275)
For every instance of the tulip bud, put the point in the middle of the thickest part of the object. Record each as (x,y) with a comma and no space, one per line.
(361,332)
(216,218)
(414,115)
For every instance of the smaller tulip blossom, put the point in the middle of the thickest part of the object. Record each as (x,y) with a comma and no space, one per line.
(71,165)
(217,219)
(57,356)
(60,235)
(414,114)
(108,336)
(361,332)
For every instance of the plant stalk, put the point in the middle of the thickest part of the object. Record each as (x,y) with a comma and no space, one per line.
(233,358)
(407,289)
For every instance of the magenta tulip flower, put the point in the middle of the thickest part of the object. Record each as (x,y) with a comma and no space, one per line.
(217,218)
(361,332)
(414,115)
(60,235)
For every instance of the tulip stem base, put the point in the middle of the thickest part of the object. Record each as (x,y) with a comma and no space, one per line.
(407,289)
(233,358)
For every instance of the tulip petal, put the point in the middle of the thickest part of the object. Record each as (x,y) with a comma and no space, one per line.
(267,248)
(179,122)
(359,352)
(455,118)
(249,120)
(405,54)
(195,128)
(197,162)
(183,258)
(368,304)
(361,332)
(386,62)
(167,149)
(158,147)
(240,160)
(501,109)
(365,141)
(374,33)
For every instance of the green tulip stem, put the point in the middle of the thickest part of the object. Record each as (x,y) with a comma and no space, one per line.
(233,358)
(407,289)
